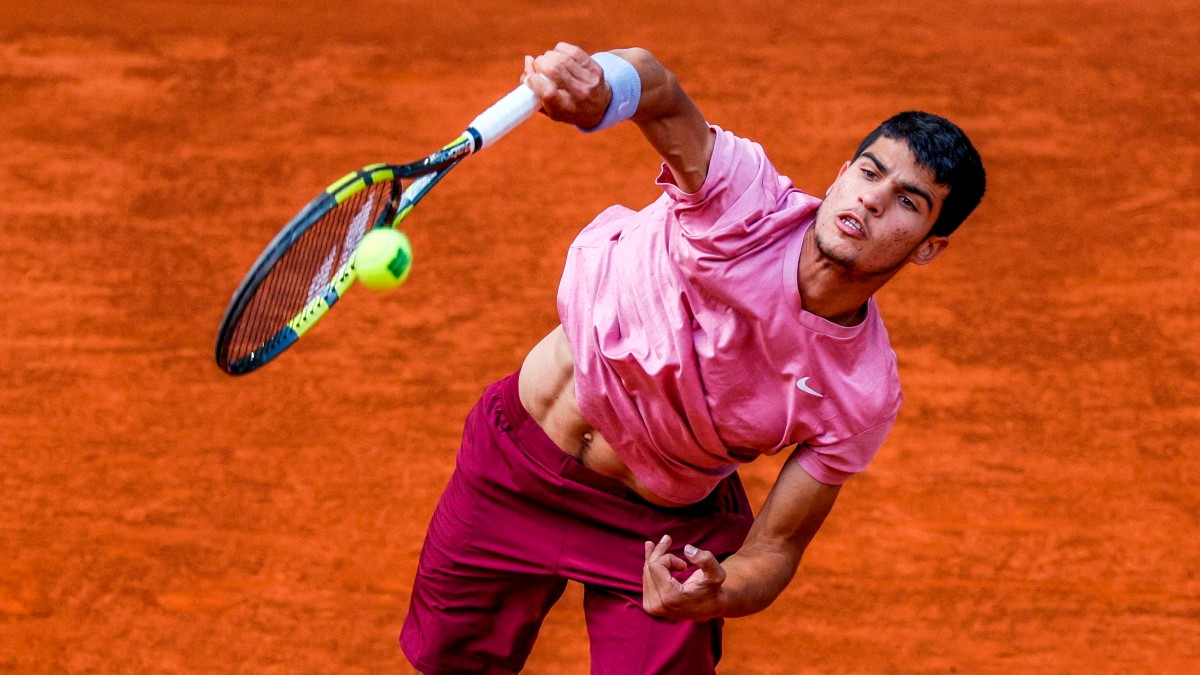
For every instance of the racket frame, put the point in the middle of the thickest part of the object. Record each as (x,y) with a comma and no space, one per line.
(501,118)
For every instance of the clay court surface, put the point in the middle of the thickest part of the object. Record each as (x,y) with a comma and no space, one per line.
(1034,510)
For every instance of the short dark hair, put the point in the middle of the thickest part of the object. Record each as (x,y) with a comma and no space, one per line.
(944,149)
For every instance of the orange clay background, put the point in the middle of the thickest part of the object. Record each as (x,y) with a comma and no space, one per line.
(1035,509)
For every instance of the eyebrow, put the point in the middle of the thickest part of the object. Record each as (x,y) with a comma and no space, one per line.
(909,187)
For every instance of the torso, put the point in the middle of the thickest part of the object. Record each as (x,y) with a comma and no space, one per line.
(547,388)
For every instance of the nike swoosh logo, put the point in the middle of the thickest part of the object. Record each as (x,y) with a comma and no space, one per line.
(802,385)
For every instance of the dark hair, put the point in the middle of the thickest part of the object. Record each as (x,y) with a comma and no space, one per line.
(944,149)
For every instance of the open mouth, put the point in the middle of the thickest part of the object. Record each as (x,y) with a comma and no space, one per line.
(852,225)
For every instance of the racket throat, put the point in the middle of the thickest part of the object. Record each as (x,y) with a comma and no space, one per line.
(476,139)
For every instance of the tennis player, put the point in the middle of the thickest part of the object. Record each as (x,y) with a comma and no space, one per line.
(731,318)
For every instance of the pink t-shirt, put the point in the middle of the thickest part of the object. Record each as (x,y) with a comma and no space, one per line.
(692,352)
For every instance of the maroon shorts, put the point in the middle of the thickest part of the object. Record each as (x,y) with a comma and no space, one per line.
(518,520)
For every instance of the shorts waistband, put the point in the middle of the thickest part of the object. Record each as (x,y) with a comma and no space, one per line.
(532,439)
(510,401)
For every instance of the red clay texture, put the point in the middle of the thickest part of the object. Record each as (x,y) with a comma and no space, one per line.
(1034,510)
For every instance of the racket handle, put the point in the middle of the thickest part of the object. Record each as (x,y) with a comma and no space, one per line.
(504,116)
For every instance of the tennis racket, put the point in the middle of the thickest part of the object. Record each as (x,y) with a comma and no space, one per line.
(309,265)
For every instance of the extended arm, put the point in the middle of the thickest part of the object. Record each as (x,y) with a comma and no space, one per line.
(572,88)
(751,579)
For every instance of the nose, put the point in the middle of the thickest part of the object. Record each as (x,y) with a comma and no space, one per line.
(871,198)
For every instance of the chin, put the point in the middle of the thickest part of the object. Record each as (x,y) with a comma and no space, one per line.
(832,247)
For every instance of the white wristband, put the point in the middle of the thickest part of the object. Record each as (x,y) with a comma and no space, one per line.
(626,87)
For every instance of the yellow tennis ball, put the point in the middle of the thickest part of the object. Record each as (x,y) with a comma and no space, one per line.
(383,259)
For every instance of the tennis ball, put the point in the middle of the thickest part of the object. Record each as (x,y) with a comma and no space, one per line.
(383,259)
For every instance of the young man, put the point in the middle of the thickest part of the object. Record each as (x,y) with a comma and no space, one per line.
(731,318)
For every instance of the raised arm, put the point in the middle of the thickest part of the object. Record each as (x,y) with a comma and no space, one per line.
(749,580)
(573,90)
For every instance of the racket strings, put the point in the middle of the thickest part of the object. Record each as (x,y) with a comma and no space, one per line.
(307,268)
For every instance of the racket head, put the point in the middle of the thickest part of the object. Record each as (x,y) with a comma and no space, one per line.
(305,269)
(309,265)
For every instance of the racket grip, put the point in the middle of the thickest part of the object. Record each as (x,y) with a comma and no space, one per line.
(504,116)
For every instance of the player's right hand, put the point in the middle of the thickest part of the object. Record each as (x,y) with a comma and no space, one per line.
(571,85)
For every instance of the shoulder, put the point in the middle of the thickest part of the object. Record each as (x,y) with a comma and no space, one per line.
(737,164)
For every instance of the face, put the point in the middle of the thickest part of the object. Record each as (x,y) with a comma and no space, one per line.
(877,214)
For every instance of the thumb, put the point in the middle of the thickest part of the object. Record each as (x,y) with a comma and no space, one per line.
(539,83)
(707,562)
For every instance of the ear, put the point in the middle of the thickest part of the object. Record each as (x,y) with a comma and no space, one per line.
(840,172)
(928,249)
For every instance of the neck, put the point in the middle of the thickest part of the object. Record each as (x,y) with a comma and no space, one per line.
(831,291)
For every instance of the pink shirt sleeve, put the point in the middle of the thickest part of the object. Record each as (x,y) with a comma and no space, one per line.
(835,463)
(735,210)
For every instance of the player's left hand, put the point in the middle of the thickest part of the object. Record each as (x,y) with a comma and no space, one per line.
(697,598)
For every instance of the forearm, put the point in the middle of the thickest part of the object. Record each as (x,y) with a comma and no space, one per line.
(786,524)
(756,576)
(752,578)
(670,120)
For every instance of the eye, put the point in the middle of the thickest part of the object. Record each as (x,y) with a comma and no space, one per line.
(908,203)
(868,173)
